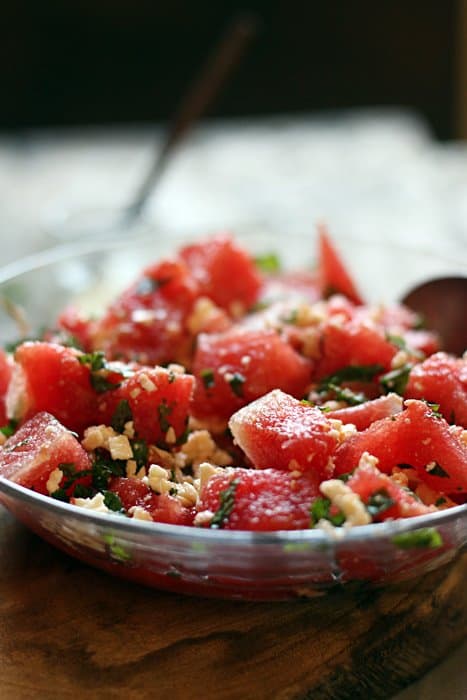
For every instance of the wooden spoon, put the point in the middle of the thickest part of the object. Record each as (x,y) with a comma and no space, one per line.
(442,303)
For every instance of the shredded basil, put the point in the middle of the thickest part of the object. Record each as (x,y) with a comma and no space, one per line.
(113,502)
(320,510)
(424,538)
(104,468)
(207,377)
(437,470)
(352,373)
(352,398)
(379,502)
(268,263)
(140,453)
(164,411)
(396,380)
(149,285)
(236,383)
(227,502)
(121,416)
(99,367)
(9,429)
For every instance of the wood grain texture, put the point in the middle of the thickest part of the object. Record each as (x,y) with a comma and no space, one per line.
(68,631)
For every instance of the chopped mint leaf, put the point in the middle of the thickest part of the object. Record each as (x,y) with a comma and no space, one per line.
(269,263)
(9,429)
(396,380)
(379,502)
(435,469)
(236,383)
(227,502)
(207,377)
(424,538)
(320,510)
(113,502)
(164,411)
(122,415)
(352,373)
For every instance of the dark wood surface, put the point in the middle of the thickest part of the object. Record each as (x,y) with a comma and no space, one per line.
(68,631)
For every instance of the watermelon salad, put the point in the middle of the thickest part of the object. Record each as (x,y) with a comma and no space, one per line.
(220,391)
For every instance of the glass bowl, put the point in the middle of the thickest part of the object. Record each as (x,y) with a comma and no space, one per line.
(246,565)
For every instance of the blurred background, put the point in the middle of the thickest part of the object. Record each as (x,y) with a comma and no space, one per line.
(116,61)
(353,112)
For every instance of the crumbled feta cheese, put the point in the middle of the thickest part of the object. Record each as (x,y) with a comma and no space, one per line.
(146,382)
(200,447)
(132,471)
(158,479)
(103,436)
(138,513)
(119,447)
(202,518)
(203,311)
(96,503)
(206,471)
(347,501)
(129,429)
(341,431)
(170,436)
(53,482)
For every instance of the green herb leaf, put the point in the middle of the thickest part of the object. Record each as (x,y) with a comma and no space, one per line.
(227,502)
(379,502)
(99,371)
(148,285)
(60,495)
(352,373)
(104,468)
(435,409)
(9,429)
(164,411)
(435,469)
(207,377)
(140,452)
(320,510)
(236,383)
(122,415)
(269,263)
(81,491)
(113,502)
(424,538)
(352,398)
(397,340)
(396,380)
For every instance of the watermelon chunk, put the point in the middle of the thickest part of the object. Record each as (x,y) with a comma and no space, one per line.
(240,365)
(442,379)
(280,432)
(224,272)
(417,437)
(246,499)
(148,322)
(49,377)
(353,343)
(39,447)
(162,508)
(6,371)
(334,275)
(364,414)
(155,399)
(387,499)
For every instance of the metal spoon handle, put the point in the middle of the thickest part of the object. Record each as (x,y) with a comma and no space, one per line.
(198,98)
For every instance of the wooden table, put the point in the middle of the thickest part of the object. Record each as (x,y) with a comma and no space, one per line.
(68,631)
